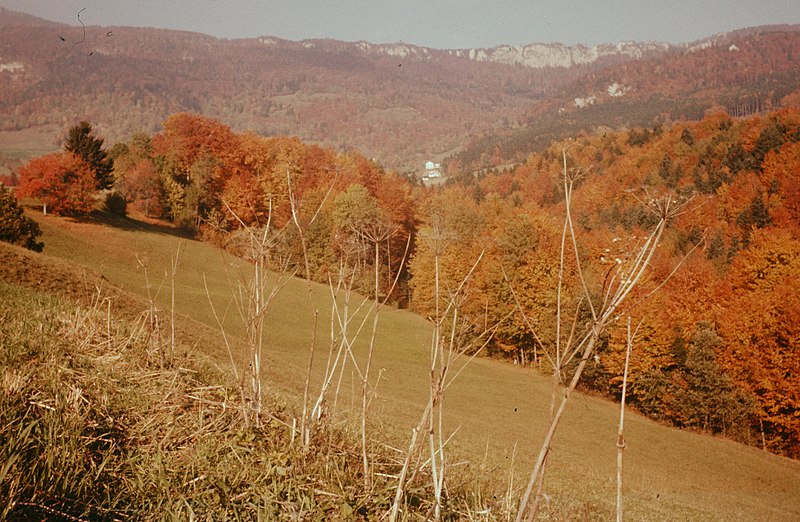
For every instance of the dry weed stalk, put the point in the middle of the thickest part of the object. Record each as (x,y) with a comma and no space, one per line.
(305,430)
(376,233)
(173,272)
(447,350)
(252,297)
(152,313)
(343,336)
(340,335)
(620,433)
(582,340)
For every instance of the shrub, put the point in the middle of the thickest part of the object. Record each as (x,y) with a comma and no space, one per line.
(116,204)
(15,228)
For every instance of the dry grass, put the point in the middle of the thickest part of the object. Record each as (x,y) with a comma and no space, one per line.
(670,475)
(95,424)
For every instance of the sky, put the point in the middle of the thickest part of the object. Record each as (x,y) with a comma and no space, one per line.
(442,24)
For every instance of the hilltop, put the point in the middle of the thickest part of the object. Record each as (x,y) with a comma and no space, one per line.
(395,103)
(743,72)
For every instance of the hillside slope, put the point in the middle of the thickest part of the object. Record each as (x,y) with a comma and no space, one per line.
(100,419)
(670,475)
(390,103)
(745,72)
(400,104)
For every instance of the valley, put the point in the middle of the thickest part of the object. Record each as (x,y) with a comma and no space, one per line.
(375,275)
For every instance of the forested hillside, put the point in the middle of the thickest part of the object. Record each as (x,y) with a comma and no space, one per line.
(397,103)
(745,72)
(398,106)
(719,343)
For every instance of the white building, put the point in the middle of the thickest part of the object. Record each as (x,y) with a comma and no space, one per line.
(433,170)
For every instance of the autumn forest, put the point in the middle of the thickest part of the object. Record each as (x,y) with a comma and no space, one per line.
(718,316)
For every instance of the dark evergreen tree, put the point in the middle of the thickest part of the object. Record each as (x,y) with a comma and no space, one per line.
(756,216)
(687,136)
(15,228)
(716,246)
(637,137)
(737,159)
(669,172)
(82,142)
(771,138)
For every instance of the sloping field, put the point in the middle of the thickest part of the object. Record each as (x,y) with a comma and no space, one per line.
(29,143)
(495,407)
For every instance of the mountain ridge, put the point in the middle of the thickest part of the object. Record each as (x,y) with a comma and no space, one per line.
(531,54)
(399,103)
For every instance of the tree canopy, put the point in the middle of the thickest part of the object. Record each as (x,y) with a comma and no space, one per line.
(63,182)
(728,318)
(81,141)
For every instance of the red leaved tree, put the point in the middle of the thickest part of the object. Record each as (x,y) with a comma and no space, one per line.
(63,182)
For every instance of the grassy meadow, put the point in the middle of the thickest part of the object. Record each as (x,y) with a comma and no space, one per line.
(498,411)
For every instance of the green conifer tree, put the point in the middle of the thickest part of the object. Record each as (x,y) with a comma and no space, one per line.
(15,228)
(82,142)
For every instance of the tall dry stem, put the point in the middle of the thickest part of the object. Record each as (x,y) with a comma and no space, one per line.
(620,432)
(447,348)
(154,330)
(314,310)
(582,340)
(253,295)
(173,272)
(376,233)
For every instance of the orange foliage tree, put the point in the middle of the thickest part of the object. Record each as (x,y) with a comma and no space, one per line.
(450,233)
(62,181)
(137,177)
(216,181)
(708,331)
(760,326)
(192,153)
(782,176)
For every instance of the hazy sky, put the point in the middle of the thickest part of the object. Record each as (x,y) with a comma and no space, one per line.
(435,23)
